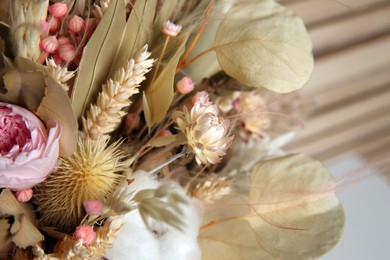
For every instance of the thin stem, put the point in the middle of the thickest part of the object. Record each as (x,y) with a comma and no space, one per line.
(186,64)
(174,158)
(159,60)
(198,33)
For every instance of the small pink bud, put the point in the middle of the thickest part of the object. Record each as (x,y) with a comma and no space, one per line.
(85,233)
(57,59)
(185,85)
(93,207)
(54,23)
(58,10)
(202,97)
(171,29)
(76,24)
(24,195)
(49,44)
(66,52)
(165,132)
(236,103)
(63,41)
(132,120)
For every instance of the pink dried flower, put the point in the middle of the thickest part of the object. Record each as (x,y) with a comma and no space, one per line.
(66,52)
(207,134)
(93,207)
(24,195)
(28,152)
(202,97)
(170,29)
(185,85)
(76,24)
(86,233)
(49,44)
(58,10)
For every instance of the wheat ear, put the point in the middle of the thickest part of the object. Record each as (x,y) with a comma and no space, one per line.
(107,114)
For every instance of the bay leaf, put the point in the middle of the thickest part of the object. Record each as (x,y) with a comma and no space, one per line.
(262,44)
(136,33)
(294,214)
(160,141)
(160,94)
(56,106)
(98,56)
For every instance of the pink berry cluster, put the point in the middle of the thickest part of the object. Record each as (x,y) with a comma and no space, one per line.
(64,35)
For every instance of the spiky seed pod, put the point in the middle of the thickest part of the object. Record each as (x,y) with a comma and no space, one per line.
(92,172)
(106,115)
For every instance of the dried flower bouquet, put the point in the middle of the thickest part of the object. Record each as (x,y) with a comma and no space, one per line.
(151,129)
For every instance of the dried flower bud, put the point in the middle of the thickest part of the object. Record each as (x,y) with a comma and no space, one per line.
(132,120)
(54,23)
(93,207)
(165,132)
(49,44)
(63,41)
(202,97)
(66,52)
(185,85)
(170,29)
(24,195)
(86,233)
(76,24)
(58,10)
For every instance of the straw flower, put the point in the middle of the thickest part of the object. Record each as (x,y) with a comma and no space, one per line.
(170,29)
(207,134)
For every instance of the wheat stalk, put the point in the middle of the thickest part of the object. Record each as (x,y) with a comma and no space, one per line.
(60,74)
(106,115)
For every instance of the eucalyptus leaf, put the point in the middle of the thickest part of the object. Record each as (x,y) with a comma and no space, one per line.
(160,141)
(294,214)
(262,44)
(98,56)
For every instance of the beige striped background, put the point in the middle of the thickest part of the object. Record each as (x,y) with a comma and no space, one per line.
(351,79)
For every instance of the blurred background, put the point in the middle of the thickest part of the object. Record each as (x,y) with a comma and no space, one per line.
(349,128)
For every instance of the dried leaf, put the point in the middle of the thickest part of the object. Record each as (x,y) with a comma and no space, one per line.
(160,94)
(22,231)
(294,215)
(162,140)
(98,56)
(56,106)
(262,44)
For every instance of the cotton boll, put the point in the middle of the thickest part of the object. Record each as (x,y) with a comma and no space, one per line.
(134,241)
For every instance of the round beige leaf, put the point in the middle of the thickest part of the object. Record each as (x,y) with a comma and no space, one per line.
(262,44)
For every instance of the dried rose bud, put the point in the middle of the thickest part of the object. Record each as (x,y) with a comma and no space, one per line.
(66,52)
(185,85)
(49,44)
(76,24)
(86,233)
(93,207)
(24,195)
(63,41)
(170,29)
(58,10)
(132,120)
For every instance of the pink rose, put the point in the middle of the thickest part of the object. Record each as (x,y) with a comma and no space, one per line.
(28,152)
